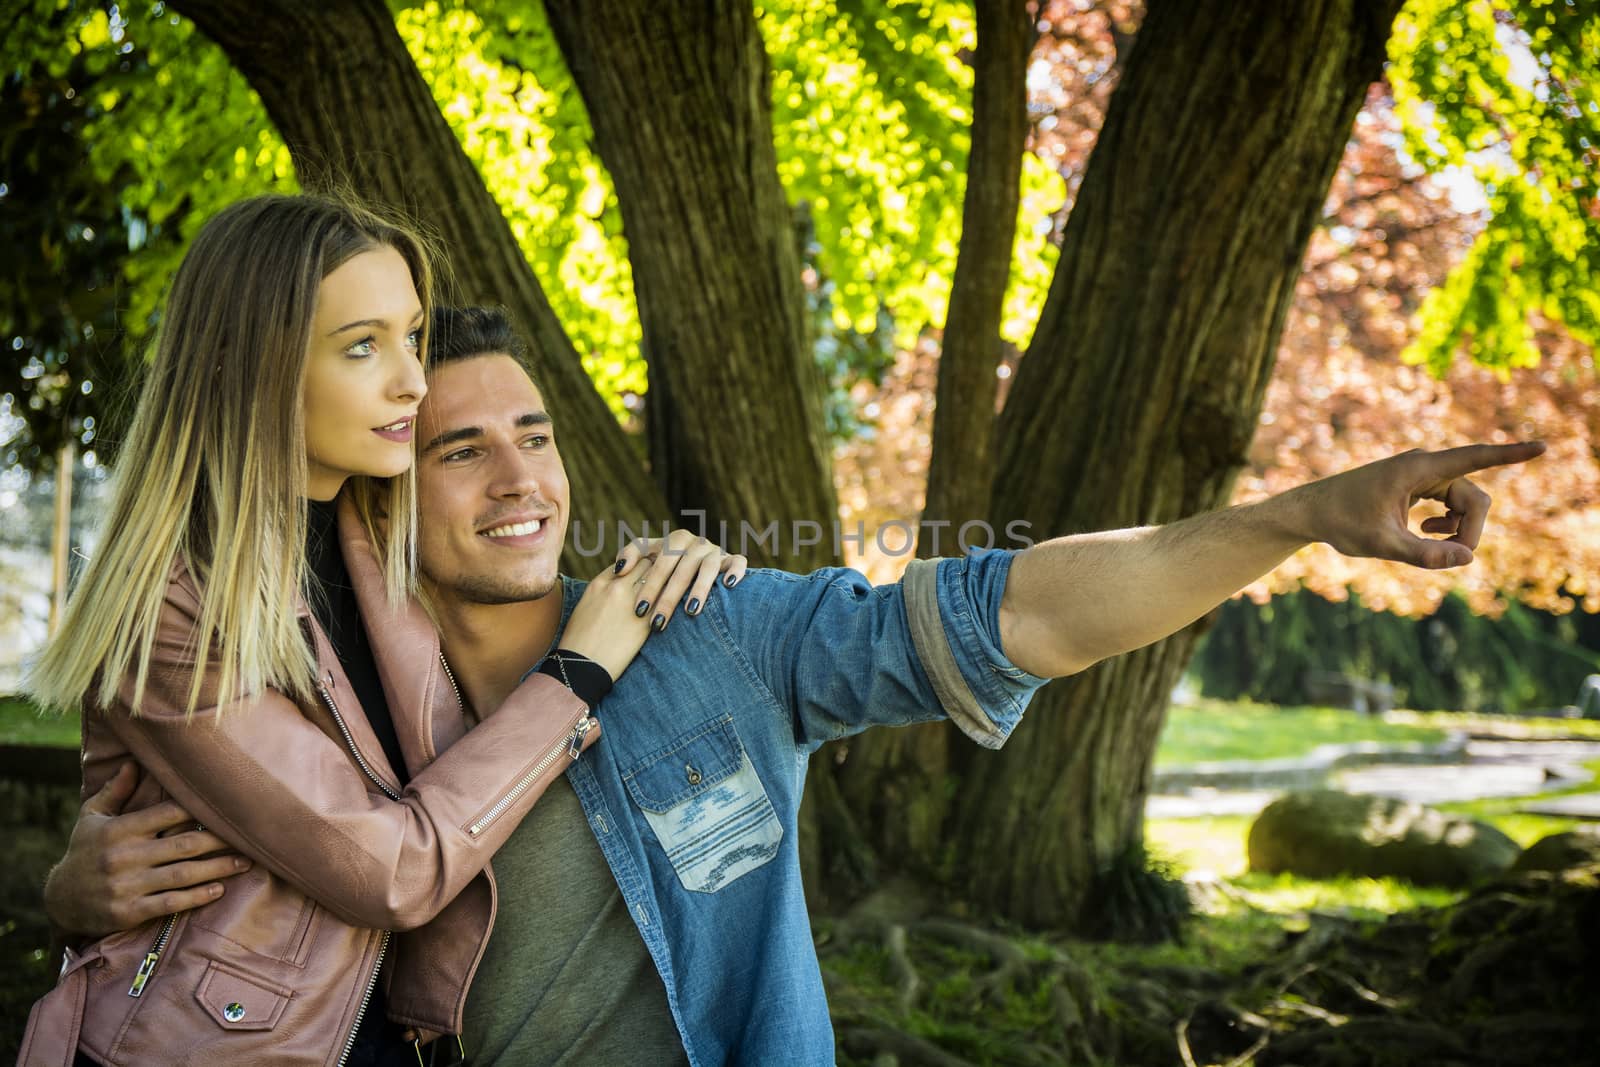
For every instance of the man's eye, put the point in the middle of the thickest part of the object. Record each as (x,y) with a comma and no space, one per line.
(458,454)
(538,440)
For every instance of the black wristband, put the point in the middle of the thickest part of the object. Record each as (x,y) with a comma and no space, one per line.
(589,681)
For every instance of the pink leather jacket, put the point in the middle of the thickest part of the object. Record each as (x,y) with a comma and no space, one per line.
(281,967)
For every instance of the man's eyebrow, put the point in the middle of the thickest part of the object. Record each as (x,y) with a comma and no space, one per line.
(382,324)
(467,433)
(450,437)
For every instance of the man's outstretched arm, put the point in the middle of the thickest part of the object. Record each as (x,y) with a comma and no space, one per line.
(1073,601)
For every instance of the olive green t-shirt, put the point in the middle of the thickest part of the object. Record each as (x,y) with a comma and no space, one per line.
(566,979)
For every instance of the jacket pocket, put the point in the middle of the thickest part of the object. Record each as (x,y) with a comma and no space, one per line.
(235,999)
(707,807)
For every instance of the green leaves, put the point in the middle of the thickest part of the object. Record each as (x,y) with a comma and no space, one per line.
(871,112)
(116,149)
(1506,92)
(499,78)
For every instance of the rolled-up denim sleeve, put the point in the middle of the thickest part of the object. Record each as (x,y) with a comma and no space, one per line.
(953,614)
(844,655)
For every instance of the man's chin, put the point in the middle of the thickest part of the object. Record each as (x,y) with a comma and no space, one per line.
(496,589)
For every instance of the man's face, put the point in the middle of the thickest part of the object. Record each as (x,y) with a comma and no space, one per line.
(492,493)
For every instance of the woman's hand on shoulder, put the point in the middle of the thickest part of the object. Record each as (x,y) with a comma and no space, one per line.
(680,568)
(640,593)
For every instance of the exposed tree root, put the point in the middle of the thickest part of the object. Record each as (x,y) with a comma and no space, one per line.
(1410,990)
(907,981)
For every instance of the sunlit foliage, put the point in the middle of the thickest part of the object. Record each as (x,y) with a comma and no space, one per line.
(1507,91)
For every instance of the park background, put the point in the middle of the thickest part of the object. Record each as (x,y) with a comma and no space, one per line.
(1085,264)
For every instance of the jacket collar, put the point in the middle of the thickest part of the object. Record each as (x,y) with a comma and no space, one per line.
(405,647)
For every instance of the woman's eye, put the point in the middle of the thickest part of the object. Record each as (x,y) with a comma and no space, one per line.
(414,338)
(363,347)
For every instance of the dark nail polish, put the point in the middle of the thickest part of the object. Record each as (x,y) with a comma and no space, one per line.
(620,564)
(644,606)
(694,605)
(729,580)
(658,623)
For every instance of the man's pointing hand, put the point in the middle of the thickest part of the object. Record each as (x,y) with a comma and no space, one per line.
(1367,511)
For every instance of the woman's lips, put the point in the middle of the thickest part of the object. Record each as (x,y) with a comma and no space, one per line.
(399,430)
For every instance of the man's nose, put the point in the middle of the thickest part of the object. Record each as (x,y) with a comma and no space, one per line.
(514,474)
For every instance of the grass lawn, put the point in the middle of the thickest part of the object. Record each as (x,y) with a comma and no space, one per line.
(1216,730)
(21,724)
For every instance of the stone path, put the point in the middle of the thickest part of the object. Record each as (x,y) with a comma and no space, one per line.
(1486,769)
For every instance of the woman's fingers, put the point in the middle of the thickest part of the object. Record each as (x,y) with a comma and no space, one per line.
(733,569)
(686,568)
(678,573)
(638,578)
(631,553)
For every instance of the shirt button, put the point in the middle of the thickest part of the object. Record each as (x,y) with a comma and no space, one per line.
(233,1012)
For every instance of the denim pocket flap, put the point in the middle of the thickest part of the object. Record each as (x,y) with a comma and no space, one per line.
(687,767)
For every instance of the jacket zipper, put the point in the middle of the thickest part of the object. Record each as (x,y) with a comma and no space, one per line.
(572,745)
(153,957)
(383,945)
(366,998)
(350,742)
(448,673)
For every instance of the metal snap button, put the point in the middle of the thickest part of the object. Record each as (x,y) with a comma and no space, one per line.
(233,1012)
(692,774)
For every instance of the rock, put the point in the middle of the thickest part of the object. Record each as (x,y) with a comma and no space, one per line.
(1560,852)
(1324,833)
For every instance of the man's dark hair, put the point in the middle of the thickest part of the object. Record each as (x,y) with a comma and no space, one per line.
(463,332)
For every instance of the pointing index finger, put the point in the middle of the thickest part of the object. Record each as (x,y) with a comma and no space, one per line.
(1458,462)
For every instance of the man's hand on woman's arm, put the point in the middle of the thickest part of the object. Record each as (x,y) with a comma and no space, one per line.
(121,871)
(1073,601)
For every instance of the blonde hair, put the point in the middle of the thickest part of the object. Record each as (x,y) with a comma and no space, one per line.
(212,476)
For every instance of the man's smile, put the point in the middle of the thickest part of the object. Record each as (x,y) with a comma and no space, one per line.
(516,529)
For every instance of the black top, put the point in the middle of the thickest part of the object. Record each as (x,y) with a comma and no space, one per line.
(333,602)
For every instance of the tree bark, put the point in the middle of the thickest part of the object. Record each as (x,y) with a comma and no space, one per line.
(895,780)
(961,467)
(1136,404)
(679,98)
(349,102)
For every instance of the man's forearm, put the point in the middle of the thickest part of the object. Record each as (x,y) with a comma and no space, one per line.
(1073,601)
(1077,600)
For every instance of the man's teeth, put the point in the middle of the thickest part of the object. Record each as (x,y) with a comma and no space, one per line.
(515,530)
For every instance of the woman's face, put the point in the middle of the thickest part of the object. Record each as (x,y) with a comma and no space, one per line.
(363,372)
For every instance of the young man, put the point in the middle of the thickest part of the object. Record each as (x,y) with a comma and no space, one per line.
(651,907)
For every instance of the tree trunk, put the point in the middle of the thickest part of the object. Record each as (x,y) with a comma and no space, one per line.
(961,466)
(348,100)
(1136,404)
(678,95)
(895,780)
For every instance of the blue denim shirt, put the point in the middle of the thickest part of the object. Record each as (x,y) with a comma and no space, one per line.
(694,789)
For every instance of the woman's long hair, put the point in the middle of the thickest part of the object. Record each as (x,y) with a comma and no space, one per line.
(212,477)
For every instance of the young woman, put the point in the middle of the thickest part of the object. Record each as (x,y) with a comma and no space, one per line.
(246,632)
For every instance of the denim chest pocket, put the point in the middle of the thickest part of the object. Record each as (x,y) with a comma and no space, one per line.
(704,801)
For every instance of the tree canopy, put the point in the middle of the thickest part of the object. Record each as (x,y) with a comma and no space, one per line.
(125,129)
